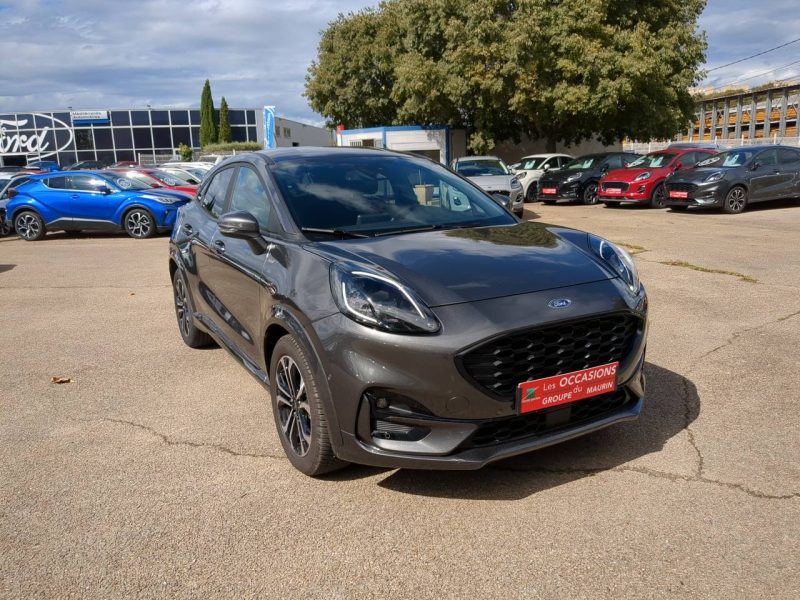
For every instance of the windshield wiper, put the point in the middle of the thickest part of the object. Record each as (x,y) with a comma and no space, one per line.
(339,232)
(411,230)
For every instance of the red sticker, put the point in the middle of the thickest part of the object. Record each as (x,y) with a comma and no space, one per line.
(569,387)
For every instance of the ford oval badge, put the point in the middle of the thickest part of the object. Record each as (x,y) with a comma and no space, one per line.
(559,303)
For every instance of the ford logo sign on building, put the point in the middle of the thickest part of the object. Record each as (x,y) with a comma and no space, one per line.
(18,137)
(560,303)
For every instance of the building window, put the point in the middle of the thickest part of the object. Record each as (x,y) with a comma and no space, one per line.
(287,133)
(140,117)
(179,117)
(277,131)
(84,139)
(120,117)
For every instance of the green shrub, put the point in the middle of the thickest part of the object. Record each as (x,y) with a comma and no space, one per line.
(224,136)
(237,146)
(186,152)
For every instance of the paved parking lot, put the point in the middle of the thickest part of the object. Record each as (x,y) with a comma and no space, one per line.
(157,472)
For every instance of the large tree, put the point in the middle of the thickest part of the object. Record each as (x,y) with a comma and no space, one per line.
(553,69)
(224,136)
(208,126)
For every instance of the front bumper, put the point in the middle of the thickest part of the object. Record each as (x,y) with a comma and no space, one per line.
(634,192)
(438,419)
(563,191)
(703,194)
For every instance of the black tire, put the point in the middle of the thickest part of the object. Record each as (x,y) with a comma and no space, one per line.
(192,335)
(29,226)
(678,208)
(548,202)
(589,194)
(139,223)
(530,195)
(735,200)
(658,196)
(299,413)
(5,228)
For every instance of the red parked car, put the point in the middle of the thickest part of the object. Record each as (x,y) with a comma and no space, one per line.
(158,179)
(642,181)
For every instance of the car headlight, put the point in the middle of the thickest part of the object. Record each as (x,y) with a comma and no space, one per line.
(161,199)
(522,175)
(379,301)
(714,176)
(574,177)
(515,185)
(643,176)
(617,259)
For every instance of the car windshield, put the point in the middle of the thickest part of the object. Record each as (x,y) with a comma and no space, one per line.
(182,175)
(533,163)
(734,158)
(481,168)
(126,182)
(166,178)
(372,195)
(584,163)
(652,161)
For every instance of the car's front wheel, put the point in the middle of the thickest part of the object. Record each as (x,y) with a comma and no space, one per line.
(658,196)
(5,227)
(139,223)
(29,226)
(735,201)
(530,193)
(299,414)
(590,193)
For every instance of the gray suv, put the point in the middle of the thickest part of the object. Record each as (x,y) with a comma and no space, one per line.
(492,175)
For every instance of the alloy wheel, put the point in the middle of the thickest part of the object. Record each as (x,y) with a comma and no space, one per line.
(736,200)
(590,194)
(138,223)
(28,227)
(294,411)
(658,196)
(182,308)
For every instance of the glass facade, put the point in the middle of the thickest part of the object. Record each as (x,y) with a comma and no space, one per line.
(122,136)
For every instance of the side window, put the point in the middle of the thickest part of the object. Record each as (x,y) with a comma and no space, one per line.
(86,183)
(689,159)
(768,157)
(249,195)
(614,162)
(562,160)
(56,183)
(214,196)
(786,156)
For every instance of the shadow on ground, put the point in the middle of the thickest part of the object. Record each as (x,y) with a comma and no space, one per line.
(671,404)
(4,268)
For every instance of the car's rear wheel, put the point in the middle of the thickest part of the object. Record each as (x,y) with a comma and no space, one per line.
(5,227)
(191,334)
(139,223)
(735,201)
(299,413)
(590,193)
(29,226)
(530,194)
(658,196)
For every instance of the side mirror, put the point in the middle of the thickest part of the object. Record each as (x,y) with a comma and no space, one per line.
(155,185)
(103,189)
(502,200)
(678,165)
(242,225)
(604,168)
(755,166)
(546,167)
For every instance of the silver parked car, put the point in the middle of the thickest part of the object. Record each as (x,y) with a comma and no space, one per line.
(492,175)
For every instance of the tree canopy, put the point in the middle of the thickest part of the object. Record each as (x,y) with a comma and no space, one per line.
(224,136)
(558,70)
(208,127)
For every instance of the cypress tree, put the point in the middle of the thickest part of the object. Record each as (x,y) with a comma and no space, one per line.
(208,129)
(224,123)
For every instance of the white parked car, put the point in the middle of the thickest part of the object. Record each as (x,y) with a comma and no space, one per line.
(205,166)
(531,168)
(492,175)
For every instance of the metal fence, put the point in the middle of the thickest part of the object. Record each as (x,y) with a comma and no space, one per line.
(645,147)
(151,158)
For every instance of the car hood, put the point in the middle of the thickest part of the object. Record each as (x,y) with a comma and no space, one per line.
(467,265)
(559,176)
(491,183)
(628,175)
(698,174)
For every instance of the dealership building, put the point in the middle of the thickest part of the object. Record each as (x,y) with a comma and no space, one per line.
(136,134)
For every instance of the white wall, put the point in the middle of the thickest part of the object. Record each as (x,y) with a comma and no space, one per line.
(302,134)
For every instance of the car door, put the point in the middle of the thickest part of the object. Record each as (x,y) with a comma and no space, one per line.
(91,208)
(196,232)
(54,195)
(789,163)
(236,272)
(765,178)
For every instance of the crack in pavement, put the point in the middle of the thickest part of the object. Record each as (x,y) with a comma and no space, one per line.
(170,442)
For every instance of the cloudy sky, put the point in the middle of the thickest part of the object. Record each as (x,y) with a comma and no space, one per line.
(125,54)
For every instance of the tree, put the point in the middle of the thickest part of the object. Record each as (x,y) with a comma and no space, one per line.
(558,70)
(186,152)
(208,128)
(224,123)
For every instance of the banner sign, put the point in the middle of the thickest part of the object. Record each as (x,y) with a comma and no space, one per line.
(269,128)
(89,116)
(17,136)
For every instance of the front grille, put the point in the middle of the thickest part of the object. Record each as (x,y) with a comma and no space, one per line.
(536,423)
(681,187)
(504,192)
(615,185)
(500,365)
(548,184)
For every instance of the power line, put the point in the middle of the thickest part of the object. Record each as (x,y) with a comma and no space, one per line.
(757,75)
(736,62)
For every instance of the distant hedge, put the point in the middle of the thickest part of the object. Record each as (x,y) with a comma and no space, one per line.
(237,146)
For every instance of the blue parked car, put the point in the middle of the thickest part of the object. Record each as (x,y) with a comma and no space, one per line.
(44,165)
(90,200)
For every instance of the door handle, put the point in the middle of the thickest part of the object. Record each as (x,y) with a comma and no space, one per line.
(74,197)
(776,170)
(187,229)
(219,246)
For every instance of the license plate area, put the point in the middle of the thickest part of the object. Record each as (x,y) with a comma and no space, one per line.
(547,392)
(548,190)
(679,194)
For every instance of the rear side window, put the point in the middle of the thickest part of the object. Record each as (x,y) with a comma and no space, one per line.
(614,162)
(769,157)
(86,183)
(56,183)
(249,195)
(213,198)
(689,159)
(786,156)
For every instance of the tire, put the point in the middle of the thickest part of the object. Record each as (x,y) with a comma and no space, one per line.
(299,413)
(678,208)
(191,334)
(29,226)
(657,196)
(530,194)
(139,223)
(589,195)
(5,228)
(735,200)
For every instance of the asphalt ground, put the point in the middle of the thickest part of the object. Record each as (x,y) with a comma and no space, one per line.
(158,473)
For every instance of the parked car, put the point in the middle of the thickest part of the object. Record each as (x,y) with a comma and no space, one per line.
(14,169)
(156,178)
(578,180)
(90,200)
(182,174)
(492,175)
(731,180)
(13,181)
(642,181)
(531,168)
(44,165)
(85,165)
(123,164)
(204,166)
(397,333)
